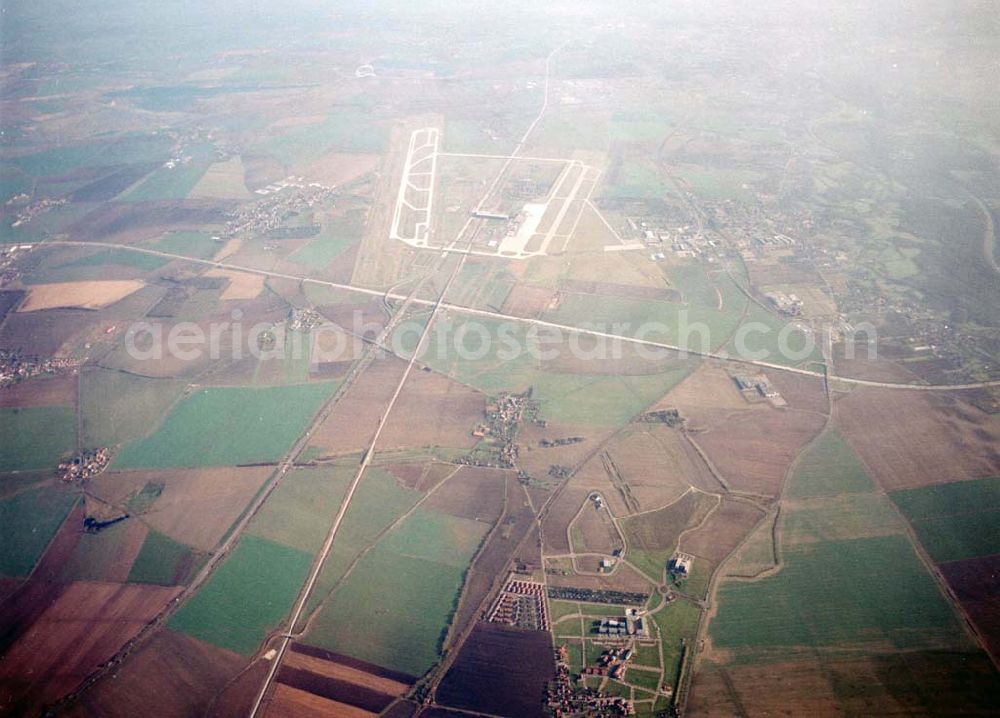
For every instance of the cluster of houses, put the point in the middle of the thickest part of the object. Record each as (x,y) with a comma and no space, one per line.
(521,604)
(565,699)
(275,208)
(84,464)
(16,367)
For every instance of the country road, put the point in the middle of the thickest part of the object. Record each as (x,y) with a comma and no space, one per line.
(460,309)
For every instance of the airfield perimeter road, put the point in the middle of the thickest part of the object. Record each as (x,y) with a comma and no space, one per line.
(460,309)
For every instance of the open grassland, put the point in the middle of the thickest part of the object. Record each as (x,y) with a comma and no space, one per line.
(28,521)
(247,596)
(394,608)
(955,521)
(227,426)
(852,595)
(35,438)
(118,407)
(299,512)
(336,236)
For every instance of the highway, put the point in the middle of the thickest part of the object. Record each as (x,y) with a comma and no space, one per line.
(541,323)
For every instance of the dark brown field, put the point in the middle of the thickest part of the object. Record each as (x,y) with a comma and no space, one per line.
(976,583)
(83,627)
(500,670)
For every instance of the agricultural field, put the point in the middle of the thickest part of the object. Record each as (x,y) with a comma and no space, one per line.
(248,596)
(393,608)
(954,521)
(261,424)
(508,178)
(30,518)
(36,437)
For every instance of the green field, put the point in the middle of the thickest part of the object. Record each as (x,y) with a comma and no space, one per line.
(667,322)
(829,468)
(652,536)
(35,438)
(299,512)
(119,407)
(677,622)
(377,503)
(957,520)
(394,608)
(840,517)
(163,561)
(188,244)
(224,426)
(28,521)
(336,236)
(173,183)
(345,131)
(247,596)
(852,594)
(763,336)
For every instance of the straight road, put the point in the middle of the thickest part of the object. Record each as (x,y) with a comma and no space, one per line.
(460,309)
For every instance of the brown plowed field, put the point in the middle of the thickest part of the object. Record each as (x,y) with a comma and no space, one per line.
(913,438)
(343,672)
(753,450)
(528,301)
(890,684)
(500,670)
(976,583)
(351,425)
(178,674)
(421,477)
(40,391)
(659,530)
(801,392)
(348,692)
(288,702)
(472,493)
(722,531)
(197,506)
(659,465)
(86,624)
(44,332)
(433,410)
